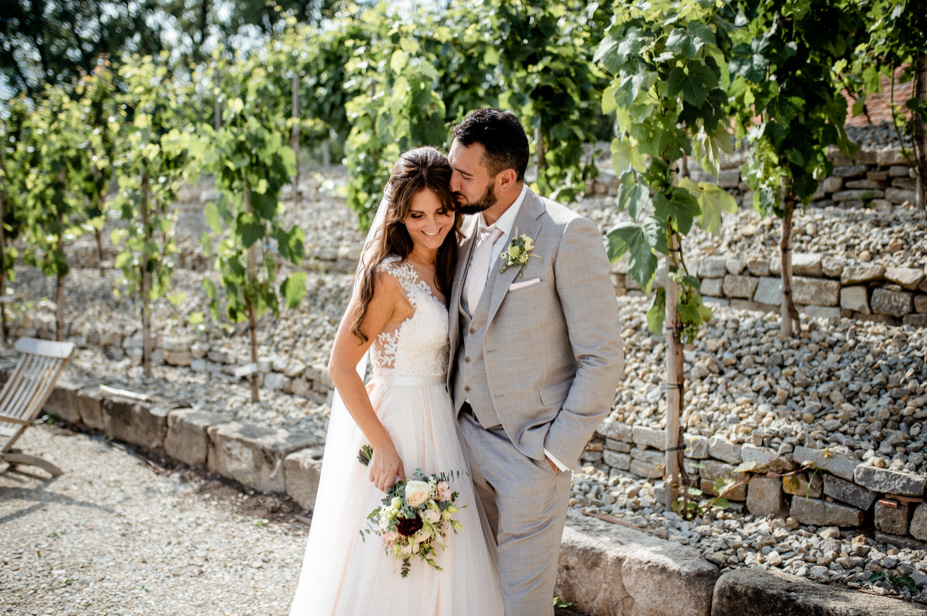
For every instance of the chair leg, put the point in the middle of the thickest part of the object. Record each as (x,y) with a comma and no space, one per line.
(21,458)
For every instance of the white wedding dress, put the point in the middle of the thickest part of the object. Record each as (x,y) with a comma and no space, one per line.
(347,575)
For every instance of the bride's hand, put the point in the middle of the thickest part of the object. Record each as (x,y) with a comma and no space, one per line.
(385,467)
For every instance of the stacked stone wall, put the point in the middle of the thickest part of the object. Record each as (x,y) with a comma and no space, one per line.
(819,487)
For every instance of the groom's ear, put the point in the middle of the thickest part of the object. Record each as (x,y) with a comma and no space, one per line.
(505,179)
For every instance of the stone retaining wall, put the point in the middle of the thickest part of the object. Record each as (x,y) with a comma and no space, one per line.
(837,489)
(265,459)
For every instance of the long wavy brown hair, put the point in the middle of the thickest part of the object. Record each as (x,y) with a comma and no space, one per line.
(417,170)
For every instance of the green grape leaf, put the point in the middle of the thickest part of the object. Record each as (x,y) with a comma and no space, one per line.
(630,238)
(656,314)
(714,200)
(293,289)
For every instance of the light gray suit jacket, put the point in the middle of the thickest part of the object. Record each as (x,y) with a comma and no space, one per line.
(552,349)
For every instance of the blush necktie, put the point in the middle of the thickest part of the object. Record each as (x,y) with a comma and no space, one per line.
(479,266)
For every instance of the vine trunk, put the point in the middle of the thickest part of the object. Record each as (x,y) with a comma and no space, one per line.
(789,312)
(920,130)
(674,376)
(146,282)
(249,302)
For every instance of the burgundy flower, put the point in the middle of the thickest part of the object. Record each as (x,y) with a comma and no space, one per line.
(407,528)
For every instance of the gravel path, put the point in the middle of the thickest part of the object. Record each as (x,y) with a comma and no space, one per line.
(119,534)
(122,534)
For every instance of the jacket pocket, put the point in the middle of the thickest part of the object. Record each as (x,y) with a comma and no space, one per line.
(522,284)
(556,393)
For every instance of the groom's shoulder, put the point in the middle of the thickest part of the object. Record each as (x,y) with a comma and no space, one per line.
(560,214)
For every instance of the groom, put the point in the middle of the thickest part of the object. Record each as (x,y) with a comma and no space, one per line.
(535,350)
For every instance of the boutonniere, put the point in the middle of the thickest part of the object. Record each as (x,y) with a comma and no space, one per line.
(517,254)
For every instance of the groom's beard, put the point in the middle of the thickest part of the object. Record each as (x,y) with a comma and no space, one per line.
(482,204)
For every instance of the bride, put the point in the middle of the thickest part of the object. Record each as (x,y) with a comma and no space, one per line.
(398,312)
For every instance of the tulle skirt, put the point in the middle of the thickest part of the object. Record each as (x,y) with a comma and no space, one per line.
(347,574)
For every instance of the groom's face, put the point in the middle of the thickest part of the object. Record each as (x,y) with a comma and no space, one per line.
(472,185)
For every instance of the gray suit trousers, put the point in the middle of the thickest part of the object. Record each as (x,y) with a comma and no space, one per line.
(525,501)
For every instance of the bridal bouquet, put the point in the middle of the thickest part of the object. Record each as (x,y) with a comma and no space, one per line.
(415,517)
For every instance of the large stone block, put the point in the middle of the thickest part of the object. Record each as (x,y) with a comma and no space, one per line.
(856,195)
(187,437)
(758,266)
(915,320)
(696,446)
(621,461)
(918,526)
(649,437)
(848,492)
(863,273)
(712,267)
(840,464)
(908,277)
(815,291)
(802,485)
(90,408)
(722,449)
(178,358)
(821,513)
(758,592)
(849,171)
(739,286)
(900,195)
(62,402)
(729,178)
(831,184)
(647,463)
(252,455)
(178,344)
(765,459)
(765,497)
(613,570)
(892,519)
(832,266)
(920,303)
(616,429)
(713,287)
(855,298)
(807,264)
(768,291)
(891,303)
(135,422)
(303,470)
(822,312)
(886,481)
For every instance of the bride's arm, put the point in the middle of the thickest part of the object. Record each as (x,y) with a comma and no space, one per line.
(385,307)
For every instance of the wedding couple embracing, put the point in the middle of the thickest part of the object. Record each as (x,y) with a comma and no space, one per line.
(493,334)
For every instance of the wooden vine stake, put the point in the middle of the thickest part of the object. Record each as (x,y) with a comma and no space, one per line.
(674,377)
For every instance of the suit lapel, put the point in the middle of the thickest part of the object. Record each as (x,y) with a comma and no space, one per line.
(526,223)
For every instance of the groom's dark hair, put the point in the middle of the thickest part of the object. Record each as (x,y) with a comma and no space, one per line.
(502,137)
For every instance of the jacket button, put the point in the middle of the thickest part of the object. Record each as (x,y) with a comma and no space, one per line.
(467,359)
(472,331)
(467,388)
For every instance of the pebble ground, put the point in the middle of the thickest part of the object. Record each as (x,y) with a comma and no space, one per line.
(121,534)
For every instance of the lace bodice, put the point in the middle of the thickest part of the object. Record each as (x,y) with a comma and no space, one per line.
(419,345)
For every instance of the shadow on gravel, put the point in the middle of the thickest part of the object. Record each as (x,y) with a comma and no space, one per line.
(34,488)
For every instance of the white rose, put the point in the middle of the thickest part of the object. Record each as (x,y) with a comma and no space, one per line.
(417,493)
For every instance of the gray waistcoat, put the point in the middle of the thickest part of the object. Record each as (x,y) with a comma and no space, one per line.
(470,381)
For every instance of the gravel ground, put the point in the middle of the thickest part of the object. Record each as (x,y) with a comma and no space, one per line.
(122,534)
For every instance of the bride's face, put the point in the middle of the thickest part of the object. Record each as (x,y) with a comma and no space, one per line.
(428,221)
